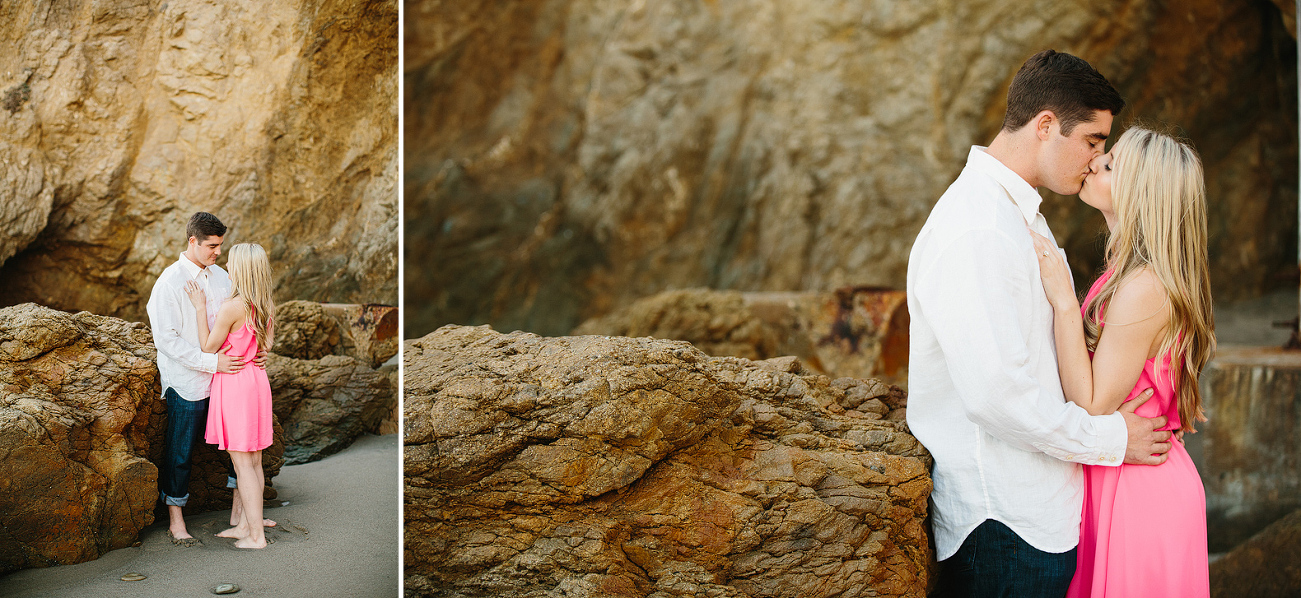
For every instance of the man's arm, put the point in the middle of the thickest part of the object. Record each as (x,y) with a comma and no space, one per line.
(970,297)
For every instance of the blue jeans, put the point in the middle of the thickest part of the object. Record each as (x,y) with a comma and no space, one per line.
(186,421)
(995,562)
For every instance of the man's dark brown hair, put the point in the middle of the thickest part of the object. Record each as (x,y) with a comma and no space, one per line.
(203,225)
(1068,86)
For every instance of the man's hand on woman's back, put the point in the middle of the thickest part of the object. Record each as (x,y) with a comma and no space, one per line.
(1147,445)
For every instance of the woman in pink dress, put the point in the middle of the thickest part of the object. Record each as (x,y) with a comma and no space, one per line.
(1146,324)
(239,411)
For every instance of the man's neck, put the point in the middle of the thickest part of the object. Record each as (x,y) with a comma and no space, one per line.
(1017,154)
(193,261)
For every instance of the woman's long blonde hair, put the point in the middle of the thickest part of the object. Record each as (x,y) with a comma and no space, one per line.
(250,282)
(1159,198)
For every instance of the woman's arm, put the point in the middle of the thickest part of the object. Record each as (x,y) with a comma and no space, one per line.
(210,340)
(1135,318)
(200,302)
(227,315)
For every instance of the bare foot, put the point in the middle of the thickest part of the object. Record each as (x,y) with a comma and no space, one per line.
(233,532)
(178,532)
(248,543)
(187,542)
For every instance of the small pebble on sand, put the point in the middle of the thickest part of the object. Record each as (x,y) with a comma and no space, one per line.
(225,588)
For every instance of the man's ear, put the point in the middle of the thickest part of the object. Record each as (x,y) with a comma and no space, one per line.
(1043,124)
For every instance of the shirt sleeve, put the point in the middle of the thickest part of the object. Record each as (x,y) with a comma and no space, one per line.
(165,315)
(970,296)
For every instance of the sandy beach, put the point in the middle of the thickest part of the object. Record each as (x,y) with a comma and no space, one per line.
(337,536)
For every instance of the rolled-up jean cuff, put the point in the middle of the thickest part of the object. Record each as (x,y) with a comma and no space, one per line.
(175,502)
(231,482)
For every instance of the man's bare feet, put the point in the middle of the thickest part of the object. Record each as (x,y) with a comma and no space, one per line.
(176,529)
(186,542)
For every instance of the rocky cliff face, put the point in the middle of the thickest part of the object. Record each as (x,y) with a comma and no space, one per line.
(566,157)
(608,466)
(121,119)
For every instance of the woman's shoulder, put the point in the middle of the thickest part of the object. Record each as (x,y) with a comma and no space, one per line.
(232,306)
(1139,297)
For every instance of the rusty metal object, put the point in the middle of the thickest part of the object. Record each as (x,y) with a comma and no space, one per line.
(1294,340)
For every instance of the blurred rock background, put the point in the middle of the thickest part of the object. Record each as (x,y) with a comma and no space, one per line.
(565,158)
(121,119)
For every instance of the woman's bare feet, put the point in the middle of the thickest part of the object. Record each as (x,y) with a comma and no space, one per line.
(234,532)
(249,543)
(237,511)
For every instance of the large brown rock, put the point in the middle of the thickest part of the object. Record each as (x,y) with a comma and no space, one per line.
(310,330)
(325,404)
(304,331)
(854,332)
(81,426)
(1266,566)
(567,157)
(120,119)
(608,466)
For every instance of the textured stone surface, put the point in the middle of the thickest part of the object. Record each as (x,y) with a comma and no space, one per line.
(1249,453)
(304,331)
(854,332)
(81,425)
(1266,566)
(567,157)
(599,466)
(310,330)
(120,119)
(370,331)
(324,404)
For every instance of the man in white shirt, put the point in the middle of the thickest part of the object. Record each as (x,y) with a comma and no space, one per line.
(984,393)
(185,370)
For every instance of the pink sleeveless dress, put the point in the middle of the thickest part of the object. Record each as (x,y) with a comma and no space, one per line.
(239,412)
(1143,531)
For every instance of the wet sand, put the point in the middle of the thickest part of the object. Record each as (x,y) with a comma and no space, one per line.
(338,536)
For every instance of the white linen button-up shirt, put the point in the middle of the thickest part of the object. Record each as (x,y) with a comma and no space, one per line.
(181,364)
(984,395)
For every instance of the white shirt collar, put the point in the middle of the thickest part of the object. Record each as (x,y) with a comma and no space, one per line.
(191,269)
(1026,197)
